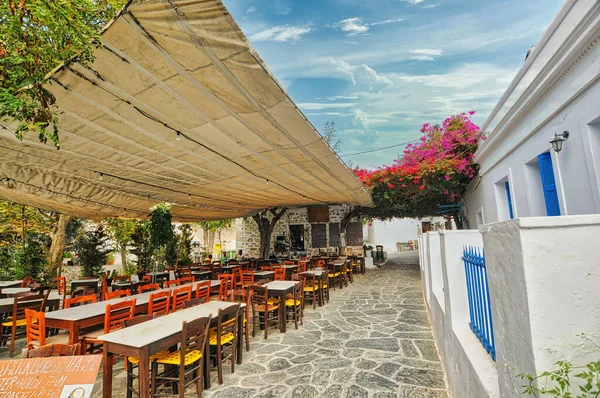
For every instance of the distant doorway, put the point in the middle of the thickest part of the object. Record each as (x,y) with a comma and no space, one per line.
(297,237)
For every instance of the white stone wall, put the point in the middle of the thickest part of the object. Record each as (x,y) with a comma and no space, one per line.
(248,237)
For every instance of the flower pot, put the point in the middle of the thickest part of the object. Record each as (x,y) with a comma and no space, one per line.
(369,253)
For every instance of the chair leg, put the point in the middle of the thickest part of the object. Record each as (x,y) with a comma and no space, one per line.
(247,333)
(153,372)
(129,372)
(266,322)
(233,355)
(219,363)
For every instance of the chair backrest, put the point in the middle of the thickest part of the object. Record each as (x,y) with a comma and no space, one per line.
(26,281)
(136,320)
(116,314)
(36,326)
(309,280)
(187,279)
(229,280)
(194,302)
(80,300)
(266,268)
(225,287)
(27,300)
(260,295)
(299,291)
(193,337)
(175,282)
(301,267)
(61,285)
(117,294)
(280,274)
(180,296)
(186,271)
(51,350)
(159,303)
(147,278)
(227,321)
(289,262)
(119,278)
(150,287)
(247,278)
(203,290)
(104,286)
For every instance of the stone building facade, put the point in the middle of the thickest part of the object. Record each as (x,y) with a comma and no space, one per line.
(315,237)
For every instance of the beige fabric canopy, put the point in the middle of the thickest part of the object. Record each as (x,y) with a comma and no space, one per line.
(178,108)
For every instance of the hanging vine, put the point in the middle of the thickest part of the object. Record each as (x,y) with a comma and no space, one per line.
(161,227)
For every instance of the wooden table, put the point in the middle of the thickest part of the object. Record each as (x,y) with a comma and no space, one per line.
(280,289)
(6,304)
(4,284)
(91,283)
(320,276)
(228,269)
(202,275)
(76,318)
(145,339)
(11,291)
(259,275)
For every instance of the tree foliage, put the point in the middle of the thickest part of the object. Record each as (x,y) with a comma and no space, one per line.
(140,245)
(434,172)
(185,244)
(161,227)
(330,136)
(36,36)
(121,231)
(93,249)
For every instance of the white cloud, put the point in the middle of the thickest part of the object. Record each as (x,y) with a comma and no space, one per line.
(387,21)
(464,76)
(352,26)
(251,9)
(341,97)
(426,51)
(317,106)
(423,58)
(360,75)
(281,33)
(413,2)
(364,120)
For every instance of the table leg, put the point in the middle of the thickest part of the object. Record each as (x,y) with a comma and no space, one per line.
(206,366)
(321,292)
(74,333)
(282,318)
(144,373)
(241,336)
(107,366)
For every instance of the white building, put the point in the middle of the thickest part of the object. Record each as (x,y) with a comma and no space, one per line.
(556,90)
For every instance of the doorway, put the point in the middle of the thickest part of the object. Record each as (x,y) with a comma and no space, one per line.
(297,237)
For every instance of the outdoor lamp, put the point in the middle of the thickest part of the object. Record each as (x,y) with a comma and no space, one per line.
(557,141)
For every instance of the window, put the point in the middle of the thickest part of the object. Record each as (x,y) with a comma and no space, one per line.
(534,189)
(504,201)
(509,200)
(549,184)
(479,216)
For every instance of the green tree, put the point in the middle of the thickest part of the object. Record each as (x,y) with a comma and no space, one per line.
(210,229)
(330,136)
(121,231)
(140,245)
(185,244)
(36,36)
(93,250)
(31,260)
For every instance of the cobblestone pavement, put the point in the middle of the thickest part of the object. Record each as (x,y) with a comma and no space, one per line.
(373,340)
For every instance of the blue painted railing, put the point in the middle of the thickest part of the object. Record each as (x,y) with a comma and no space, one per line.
(480,309)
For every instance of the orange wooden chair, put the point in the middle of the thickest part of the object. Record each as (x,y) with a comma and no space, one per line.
(36,330)
(114,317)
(180,296)
(203,290)
(147,278)
(80,300)
(159,303)
(247,278)
(61,286)
(51,350)
(266,268)
(301,267)
(280,274)
(148,288)
(116,294)
(227,285)
(187,279)
(175,282)
(26,281)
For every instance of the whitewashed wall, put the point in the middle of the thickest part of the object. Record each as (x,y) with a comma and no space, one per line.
(556,90)
(388,233)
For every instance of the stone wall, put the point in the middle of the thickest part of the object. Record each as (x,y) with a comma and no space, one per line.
(248,237)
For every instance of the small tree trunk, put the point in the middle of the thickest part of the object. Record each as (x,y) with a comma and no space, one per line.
(58,245)
(211,242)
(123,250)
(458,220)
(266,227)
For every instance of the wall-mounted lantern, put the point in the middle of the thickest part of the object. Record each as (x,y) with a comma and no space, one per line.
(557,141)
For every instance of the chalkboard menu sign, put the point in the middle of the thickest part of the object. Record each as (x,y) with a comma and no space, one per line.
(354,234)
(319,235)
(318,214)
(334,234)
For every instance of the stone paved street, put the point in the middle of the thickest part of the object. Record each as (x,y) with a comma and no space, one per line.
(373,340)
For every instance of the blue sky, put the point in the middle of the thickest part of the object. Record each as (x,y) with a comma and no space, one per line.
(382,68)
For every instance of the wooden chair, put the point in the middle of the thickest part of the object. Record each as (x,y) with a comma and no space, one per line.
(175,282)
(301,267)
(310,288)
(263,312)
(224,337)
(36,330)
(237,277)
(203,290)
(334,275)
(180,296)
(280,274)
(347,271)
(116,294)
(227,285)
(104,287)
(61,286)
(244,296)
(159,303)
(295,305)
(188,360)
(150,287)
(80,300)
(26,281)
(247,279)
(289,262)
(194,302)
(16,325)
(114,317)
(51,350)
(187,279)
(266,268)
(147,278)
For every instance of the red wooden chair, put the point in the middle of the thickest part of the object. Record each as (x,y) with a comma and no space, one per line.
(203,290)
(114,317)
(159,303)
(175,282)
(80,300)
(180,296)
(36,330)
(148,288)
(116,294)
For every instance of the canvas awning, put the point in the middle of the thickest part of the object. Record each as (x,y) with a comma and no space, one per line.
(178,108)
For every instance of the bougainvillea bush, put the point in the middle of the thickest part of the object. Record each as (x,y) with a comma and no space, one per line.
(432,172)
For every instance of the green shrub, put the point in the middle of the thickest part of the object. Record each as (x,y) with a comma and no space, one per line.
(30,260)
(559,383)
(93,250)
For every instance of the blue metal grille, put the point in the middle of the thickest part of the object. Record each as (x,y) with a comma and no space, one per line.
(479,298)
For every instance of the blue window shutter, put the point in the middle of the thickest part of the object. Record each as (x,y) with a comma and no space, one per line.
(510,207)
(549,184)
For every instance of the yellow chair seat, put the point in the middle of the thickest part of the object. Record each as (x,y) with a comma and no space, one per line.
(20,322)
(273,301)
(334,275)
(134,360)
(324,285)
(292,302)
(311,288)
(172,358)
(225,338)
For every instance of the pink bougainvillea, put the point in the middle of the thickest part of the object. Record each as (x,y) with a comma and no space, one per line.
(440,166)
